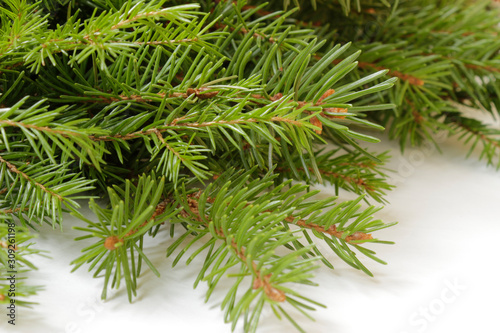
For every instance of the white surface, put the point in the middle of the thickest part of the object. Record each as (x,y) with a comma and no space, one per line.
(448,210)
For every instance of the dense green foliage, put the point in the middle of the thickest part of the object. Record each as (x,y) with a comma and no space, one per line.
(210,120)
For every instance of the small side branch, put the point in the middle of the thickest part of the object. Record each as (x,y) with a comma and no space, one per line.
(482,136)
(137,17)
(330,231)
(173,125)
(260,280)
(14,169)
(35,127)
(162,140)
(355,181)
(111,243)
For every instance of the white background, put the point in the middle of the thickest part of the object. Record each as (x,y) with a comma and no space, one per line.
(442,273)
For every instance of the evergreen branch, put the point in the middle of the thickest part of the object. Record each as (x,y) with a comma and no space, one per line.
(67,139)
(160,137)
(332,230)
(66,46)
(174,125)
(167,13)
(260,280)
(295,211)
(105,37)
(208,92)
(15,170)
(38,128)
(199,93)
(472,130)
(354,181)
(461,35)
(135,210)
(221,211)
(353,172)
(197,90)
(39,190)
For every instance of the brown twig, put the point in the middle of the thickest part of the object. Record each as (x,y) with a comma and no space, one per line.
(405,77)
(35,127)
(201,93)
(162,140)
(324,113)
(357,181)
(487,68)
(331,230)
(482,136)
(12,211)
(416,115)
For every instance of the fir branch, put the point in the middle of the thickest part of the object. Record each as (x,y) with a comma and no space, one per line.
(472,130)
(196,90)
(38,124)
(260,280)
(45,129)
(135,210)
(168,13)
(199,93)
(64,46)
(354,181)
(15,170)
(174,125)
(332,230)
(352,172)
(175,152)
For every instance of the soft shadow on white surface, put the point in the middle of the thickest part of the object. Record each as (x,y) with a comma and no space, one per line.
(441,275)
